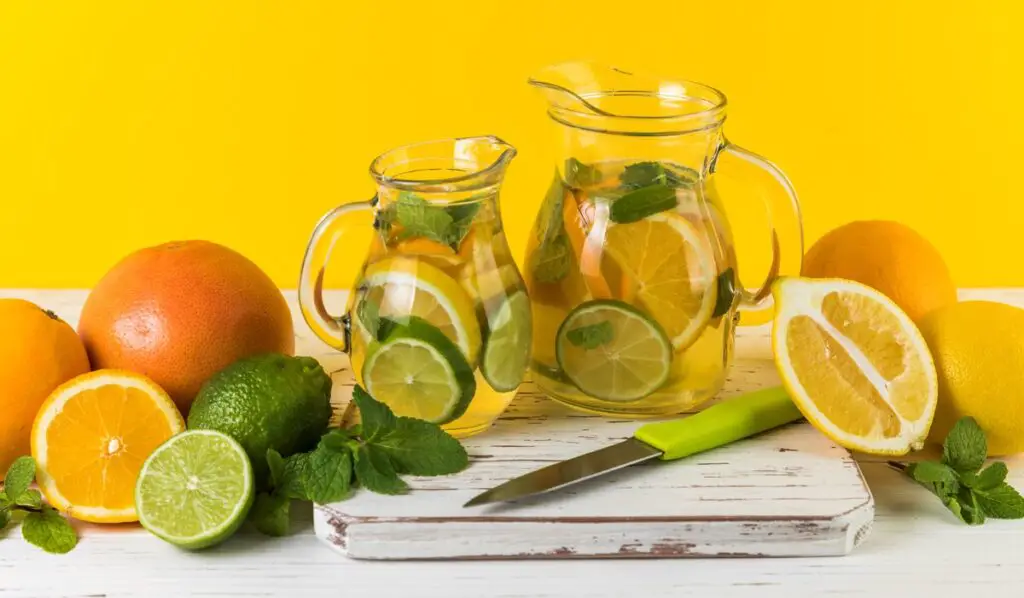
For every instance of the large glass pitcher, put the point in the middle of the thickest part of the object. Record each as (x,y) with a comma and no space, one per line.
(631,263)
(438,325)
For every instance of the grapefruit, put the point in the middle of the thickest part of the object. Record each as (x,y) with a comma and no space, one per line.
(180,312)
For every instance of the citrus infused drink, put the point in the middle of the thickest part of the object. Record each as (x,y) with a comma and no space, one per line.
(631,270)
(441,321)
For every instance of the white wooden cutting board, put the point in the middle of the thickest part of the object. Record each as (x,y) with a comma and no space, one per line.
(789,492)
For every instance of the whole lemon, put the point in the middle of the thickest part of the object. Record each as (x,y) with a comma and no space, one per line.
(978,348)
(39,352)
(889,257)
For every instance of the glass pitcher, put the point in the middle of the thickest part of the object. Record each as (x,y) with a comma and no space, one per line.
(438,326)
(631,263)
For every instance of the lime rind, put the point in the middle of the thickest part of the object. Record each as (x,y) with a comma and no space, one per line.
(506,353)
(593,380)
(183,465)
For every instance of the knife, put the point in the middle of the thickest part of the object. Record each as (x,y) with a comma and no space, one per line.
(720,424)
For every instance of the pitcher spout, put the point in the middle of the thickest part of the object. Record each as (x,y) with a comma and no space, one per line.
(445,166)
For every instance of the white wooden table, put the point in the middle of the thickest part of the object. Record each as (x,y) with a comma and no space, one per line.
(915,547)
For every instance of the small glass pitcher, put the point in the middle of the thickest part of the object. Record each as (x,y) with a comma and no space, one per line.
(631,264)
(438,326)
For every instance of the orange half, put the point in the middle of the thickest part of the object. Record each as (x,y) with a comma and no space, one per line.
(91,437)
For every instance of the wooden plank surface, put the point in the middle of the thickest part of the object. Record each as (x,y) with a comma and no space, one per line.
(914,546)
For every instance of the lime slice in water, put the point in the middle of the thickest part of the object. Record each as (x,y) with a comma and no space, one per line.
(507,350)
(612,351)
(195,489)
(419,372)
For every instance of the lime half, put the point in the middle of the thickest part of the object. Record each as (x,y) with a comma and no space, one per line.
(507,350)
(612,351)
(195,489)
(419,372)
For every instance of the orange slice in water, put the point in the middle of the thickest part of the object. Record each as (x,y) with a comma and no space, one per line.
(91,437)
(854,364)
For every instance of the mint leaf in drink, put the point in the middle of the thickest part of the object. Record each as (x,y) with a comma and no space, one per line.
(20,474)
(578,174)
(991,477)
(328,474)
(376,417)
(643,202)
(30,499)
(646,174)
(49,530)
(930,472)
(965,448)
(376,473)
(551,261)
(591,336)
(276,465)
(1001,502)
(420,219)
(368,313)
(417,447)
(726,283)
(293,477)
(271,513)
(462,215)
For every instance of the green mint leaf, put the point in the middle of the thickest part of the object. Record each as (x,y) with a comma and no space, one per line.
(953,504)
(49,530)
(970,512)
(293,477)
(271,513)
(30,499)
(336,440)
(578,174)
(462,215)
(965,448)
(646,174)
(930,472)
(375,417)
(5,517)
(421,448)
(275,462)
(641,203)
(990,477)
(20,474)
(551,261)
(368,313)
(726,283)
(328,474)
(420,219)
(376,473)
(1001,502)
(591,336)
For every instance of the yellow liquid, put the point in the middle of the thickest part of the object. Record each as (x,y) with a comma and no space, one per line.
(697,371)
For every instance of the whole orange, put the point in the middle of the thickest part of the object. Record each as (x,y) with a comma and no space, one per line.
(38,353)
(180,312)
(888,256)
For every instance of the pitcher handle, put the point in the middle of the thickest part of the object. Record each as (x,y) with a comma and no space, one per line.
(333,330)
(783,214)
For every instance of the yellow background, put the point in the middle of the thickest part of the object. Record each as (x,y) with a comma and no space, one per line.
(129,123)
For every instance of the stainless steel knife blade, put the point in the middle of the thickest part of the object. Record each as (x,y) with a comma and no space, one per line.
(589,465)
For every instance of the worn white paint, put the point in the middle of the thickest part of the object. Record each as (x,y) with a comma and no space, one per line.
(914,546)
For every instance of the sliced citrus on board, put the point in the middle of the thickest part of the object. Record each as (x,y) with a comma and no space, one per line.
(612,351)
(404,286)
(672,266)
(854,364)
(91,437)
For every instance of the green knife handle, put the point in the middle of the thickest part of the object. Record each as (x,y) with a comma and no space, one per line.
(720,424)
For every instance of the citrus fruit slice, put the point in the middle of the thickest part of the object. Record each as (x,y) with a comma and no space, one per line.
(419,372)
(506,353)
(854,364)
(403,286)
(195,489)
(672,266)
(612,351)
(90,438)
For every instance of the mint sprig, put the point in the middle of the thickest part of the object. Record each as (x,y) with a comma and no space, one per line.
(42,525)
(372,455)
(971,493)
(417,217)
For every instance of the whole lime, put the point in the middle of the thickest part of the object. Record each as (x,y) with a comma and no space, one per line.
(978,348)
(267,401)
